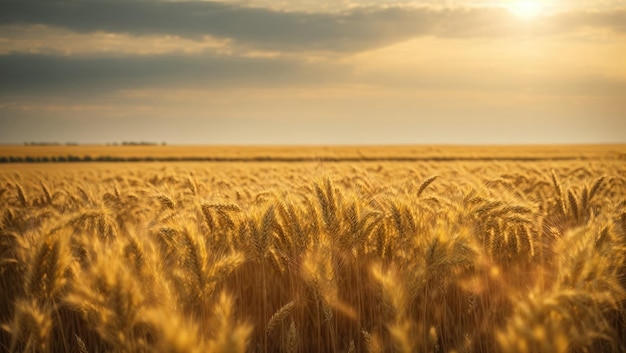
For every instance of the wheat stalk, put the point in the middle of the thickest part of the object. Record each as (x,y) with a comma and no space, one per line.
(230,337)
(560,204)
(21,195)
(279,316)
(425,184)
(292,341)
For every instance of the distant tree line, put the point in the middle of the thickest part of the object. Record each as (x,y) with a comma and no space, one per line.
(73,158)
(132,143)
(123,143)
(50,144)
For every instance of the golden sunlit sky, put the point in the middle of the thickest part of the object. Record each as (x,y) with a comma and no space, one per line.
(313,71)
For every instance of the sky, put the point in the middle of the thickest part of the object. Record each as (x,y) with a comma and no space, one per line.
(320,72)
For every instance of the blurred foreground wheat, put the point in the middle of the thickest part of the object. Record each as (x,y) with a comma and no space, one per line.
(366,258)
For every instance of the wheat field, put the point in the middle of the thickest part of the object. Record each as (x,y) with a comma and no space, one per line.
(460,256)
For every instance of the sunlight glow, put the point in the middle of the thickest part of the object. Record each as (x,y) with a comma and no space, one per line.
(526,9)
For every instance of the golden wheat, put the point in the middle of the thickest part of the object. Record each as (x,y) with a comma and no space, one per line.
(271,257)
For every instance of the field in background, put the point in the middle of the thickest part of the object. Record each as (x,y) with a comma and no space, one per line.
(148,152)
(479,254)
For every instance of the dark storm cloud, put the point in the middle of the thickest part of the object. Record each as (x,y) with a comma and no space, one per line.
(32,74)
(353,30)
(259,27)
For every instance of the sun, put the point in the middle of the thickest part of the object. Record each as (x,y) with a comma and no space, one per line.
(526,9)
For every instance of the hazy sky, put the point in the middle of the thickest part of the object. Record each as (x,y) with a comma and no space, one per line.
(313,72)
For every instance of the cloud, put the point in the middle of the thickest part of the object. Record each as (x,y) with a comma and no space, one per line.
(93,47)
(46,40)
(613,20)
(32,74)
(356,29)
(262,28)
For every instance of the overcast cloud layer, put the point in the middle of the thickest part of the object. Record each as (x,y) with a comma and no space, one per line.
(355,29)
(234,58)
